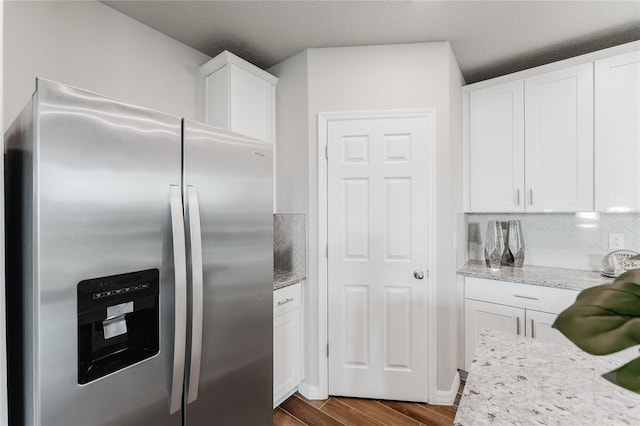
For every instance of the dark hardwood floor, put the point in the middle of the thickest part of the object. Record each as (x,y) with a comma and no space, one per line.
(339,411)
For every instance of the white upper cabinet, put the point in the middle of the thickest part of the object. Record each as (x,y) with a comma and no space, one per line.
(562,137)
(559,140)
(531,144)
(617,133)
(496,148)
(240,96)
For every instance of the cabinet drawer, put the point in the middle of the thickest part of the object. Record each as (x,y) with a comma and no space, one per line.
(546,299)
(286,299)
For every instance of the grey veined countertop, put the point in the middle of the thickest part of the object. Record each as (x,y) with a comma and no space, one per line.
(283,279)
(516,380)
(570,279)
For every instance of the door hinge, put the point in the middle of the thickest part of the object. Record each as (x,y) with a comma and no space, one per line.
(327,350)
(326,151)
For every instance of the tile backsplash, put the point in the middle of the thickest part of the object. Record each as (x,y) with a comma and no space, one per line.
(290,242)
(564,240)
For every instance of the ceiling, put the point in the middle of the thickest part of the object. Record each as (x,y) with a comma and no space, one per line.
(489,38)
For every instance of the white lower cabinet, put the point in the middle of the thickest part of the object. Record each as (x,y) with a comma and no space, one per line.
(520,309)
(286,342)
(538,326)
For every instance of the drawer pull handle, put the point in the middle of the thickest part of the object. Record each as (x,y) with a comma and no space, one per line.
(287,300)
(525,297)
(518,326)
(533,336)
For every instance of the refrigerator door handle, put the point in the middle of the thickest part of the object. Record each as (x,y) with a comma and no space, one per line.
(195,237)
(180,319)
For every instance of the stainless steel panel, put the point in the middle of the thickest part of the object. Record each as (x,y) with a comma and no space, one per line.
(102,171)
(234,179)
(19,171)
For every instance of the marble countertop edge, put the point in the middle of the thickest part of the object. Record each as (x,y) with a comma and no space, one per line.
(283,279)
(546,276)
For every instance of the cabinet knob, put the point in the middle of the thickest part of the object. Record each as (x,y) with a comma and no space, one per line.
(418,274)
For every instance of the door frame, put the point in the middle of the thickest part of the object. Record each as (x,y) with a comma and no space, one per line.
(324,118)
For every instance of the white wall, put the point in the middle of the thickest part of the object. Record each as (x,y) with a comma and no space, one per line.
(89,45)
(380,78)
(292,128)
(449,207)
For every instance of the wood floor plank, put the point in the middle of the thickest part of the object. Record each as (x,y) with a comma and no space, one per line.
(282,418)
(416,412)
(318,403)
(445,410)
(308,413)
(347,414)
(380,412)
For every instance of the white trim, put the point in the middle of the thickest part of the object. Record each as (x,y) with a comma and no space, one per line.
(577,60)
(284,397)
(466,129)
(322,390)
(448,397)
(460,315)
(227,57)
(432,244)
(311,392)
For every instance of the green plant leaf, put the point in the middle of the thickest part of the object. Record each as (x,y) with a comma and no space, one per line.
(604,319)
(627,376)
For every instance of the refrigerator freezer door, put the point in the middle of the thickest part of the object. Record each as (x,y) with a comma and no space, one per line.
(102,172)
(233,177)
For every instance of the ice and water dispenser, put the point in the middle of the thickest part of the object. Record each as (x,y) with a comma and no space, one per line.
(118,322)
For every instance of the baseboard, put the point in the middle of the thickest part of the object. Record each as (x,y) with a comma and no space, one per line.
(312,392)
(285,397)
(448,397)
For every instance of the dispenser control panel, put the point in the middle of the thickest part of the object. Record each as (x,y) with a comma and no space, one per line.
(118,322)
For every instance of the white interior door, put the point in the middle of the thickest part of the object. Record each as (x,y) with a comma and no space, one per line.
(377,234)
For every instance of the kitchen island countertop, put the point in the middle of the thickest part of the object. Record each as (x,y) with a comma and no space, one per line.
(515,380)
(546,276)
(283,279)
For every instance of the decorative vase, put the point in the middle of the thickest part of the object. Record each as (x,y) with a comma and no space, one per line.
(516,243)
(494,244)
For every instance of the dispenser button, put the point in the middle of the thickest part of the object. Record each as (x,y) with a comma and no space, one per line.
(121,309)
(114,327)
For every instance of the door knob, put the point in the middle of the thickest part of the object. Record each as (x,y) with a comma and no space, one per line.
(418,274)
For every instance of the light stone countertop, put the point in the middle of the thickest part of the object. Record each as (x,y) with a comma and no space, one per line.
(515,380)
(283,279)
(570,279)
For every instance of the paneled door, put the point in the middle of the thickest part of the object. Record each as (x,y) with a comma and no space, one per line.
(479,315)
(558,140)
(496,148)
(377,258)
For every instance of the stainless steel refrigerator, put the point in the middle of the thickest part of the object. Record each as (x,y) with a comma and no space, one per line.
(139,267)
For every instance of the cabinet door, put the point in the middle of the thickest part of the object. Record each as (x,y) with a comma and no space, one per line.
(251,104)
(538,326)
(286,354)
(496,148)
(617,133)
(559,140)
(479,315)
